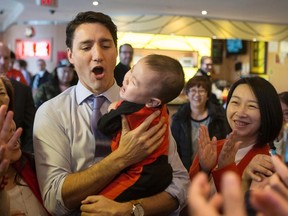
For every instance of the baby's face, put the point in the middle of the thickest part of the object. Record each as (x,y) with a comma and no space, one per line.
(139,83)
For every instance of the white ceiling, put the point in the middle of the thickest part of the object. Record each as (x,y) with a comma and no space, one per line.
(264,11)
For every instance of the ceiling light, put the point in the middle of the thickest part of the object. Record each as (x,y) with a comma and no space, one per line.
(95,3)
(254,39)
(204,12)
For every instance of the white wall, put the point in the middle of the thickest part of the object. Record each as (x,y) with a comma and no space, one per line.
(54,32)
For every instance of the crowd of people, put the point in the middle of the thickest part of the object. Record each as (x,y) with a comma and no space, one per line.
(103,142)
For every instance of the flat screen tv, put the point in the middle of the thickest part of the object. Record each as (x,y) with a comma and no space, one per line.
(235,47)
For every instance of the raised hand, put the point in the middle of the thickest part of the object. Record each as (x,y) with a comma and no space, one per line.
(207,150)
(273,200)
(229,150)
(8,138)
(279,181)
(229,202)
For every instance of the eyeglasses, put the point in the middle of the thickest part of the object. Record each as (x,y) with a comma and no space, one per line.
(199,91)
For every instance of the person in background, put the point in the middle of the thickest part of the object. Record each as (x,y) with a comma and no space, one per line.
(62,78)
(198,111)
(140,100)
(41,77)
(277,144)
(24,108)
(12,73)
(126,56)
(255,117)
(70,167)
(22,186)
(21,65)
(206,69)
(284,104)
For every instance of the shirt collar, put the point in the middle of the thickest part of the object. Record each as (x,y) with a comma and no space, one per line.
(112,94)
(41,73)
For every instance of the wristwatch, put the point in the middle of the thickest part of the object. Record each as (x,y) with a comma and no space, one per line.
(137,209)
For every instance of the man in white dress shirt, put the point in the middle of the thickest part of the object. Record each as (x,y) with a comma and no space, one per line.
(68,170)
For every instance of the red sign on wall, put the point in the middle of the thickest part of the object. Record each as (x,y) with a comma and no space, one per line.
(33,48)
(49,3)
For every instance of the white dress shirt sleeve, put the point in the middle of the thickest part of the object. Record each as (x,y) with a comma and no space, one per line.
(180,182)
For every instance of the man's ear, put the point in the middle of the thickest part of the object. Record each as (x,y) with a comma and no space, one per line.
(153,102)
(69,55)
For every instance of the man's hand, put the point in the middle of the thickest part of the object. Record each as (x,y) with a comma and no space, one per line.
(100,205)
(259,164)
(137,144)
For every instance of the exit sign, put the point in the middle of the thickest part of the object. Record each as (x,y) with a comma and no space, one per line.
(49,3)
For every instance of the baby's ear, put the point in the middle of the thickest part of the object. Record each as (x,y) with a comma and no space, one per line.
(153,102)
(112,106)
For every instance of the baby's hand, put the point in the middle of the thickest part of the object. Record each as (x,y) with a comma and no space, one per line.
(112,106)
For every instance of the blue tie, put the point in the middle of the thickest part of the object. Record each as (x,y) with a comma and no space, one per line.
(102,142)
(96,114)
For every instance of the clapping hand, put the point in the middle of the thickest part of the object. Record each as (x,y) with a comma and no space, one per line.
(229,150)
(231,200)
(207,150)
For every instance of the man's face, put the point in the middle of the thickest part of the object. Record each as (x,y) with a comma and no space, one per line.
(126,55)
(94,56)
(207,65)
(4,59)
(41,65)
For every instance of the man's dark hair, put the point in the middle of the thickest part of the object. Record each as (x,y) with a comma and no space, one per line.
(171,76)
(12,55)
(203,58)
(126,44)
(22,63)
(269,106)
(90,17)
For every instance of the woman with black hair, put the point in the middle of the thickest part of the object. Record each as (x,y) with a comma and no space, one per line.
(255,117)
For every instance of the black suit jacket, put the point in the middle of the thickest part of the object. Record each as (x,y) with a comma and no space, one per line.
(24,113)
(46,77)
